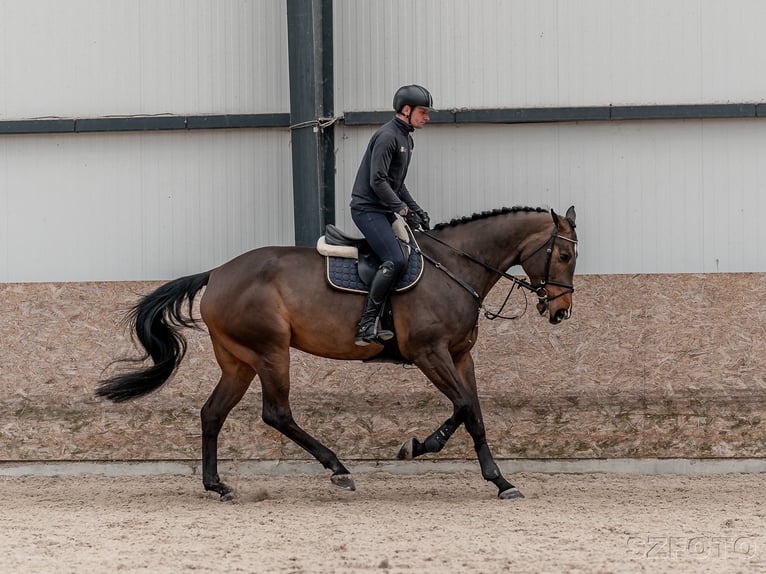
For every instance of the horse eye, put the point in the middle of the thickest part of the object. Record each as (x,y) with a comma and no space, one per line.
(565,257)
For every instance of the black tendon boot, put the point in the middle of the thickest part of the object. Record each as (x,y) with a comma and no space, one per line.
(380,287)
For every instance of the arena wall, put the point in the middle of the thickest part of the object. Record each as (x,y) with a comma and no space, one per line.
(648,366)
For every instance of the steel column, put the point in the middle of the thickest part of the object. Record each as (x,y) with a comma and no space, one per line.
(310,50)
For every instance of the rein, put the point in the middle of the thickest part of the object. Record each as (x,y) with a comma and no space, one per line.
(539,289)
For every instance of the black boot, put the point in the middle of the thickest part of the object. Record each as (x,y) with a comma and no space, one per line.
(380,287)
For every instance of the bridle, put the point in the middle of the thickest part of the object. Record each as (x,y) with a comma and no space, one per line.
(539,289)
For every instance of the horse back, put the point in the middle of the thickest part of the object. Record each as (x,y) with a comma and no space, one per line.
(266,270)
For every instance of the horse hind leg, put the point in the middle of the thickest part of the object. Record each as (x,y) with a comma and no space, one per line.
(275,383)
(236,377)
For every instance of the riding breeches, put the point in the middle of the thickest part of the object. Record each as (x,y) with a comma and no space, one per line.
(376,228)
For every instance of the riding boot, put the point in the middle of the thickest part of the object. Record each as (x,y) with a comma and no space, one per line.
(380,287)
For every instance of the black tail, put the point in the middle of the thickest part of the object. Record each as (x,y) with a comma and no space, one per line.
(156,322)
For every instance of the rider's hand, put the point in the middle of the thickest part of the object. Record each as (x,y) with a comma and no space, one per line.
(413,220)
(425,221)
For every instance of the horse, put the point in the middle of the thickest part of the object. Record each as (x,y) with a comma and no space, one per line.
(263,302)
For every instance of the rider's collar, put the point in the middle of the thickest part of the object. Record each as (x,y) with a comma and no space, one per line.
(407,128)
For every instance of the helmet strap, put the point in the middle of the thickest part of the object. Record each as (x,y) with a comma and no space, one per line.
(409,115)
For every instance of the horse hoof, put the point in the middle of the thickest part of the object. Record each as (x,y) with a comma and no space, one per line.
(510,494)
(226,491)
(407,450)
(343,481)
(228,496)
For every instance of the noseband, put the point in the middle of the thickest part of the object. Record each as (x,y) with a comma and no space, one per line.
(539,289)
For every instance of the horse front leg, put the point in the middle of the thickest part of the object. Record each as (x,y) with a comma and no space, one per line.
(455,377)
(474,424)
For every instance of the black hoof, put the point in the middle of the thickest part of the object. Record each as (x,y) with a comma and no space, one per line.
(226,497)
(407,450)
(226,491)
(411,449)
(510,494)
(343,481)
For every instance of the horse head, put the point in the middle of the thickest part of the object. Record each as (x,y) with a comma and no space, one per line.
(550,266)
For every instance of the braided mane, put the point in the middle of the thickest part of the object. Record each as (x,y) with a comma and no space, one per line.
(486,214)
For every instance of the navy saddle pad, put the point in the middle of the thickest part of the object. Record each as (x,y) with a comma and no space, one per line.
(343,273)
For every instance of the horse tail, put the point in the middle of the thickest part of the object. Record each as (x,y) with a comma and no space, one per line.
(156,321)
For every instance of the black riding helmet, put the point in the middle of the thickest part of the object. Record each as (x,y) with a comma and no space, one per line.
(412,95)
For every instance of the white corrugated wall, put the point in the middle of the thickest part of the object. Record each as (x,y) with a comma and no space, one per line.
(530,53)
(139,205)
(87,58)
(149,205)
(652,196)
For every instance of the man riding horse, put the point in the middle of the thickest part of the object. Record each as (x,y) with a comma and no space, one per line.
(379,193)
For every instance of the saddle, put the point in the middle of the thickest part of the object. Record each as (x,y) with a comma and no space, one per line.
(351,264)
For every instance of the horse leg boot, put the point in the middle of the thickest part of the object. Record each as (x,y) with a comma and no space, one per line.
(380,287)
(413,448)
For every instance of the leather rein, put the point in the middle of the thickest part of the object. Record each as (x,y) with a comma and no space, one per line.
(538,289)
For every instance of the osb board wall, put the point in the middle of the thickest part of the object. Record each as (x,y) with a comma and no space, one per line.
(648,366)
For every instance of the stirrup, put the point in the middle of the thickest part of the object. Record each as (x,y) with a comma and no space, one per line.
(380,336)
(383,335)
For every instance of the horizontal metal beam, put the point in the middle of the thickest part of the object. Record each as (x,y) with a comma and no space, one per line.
(683,112)
(361,118)
(573,114)
(143,123)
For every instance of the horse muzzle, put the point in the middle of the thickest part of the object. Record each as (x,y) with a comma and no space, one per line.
(560,315)
(558,307)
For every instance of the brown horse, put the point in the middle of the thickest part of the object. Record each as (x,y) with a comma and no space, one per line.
(263,302)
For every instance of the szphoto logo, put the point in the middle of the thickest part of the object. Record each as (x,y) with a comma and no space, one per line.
(669,547)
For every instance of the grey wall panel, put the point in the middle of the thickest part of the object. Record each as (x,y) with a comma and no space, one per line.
(140,206)
(104,57)
(526,53)
(652,197)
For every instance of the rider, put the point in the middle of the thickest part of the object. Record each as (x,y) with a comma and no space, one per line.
(379,193)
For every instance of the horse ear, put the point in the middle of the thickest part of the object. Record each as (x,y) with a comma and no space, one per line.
(555,217)
(571,216)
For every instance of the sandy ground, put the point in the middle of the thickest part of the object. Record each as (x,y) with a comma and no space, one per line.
(433,522)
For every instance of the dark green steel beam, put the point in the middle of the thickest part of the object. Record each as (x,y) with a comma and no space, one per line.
(310,51)
(143,123)
(359,118)
(572,114)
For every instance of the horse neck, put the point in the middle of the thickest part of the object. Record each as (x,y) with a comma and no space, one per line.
(498,241)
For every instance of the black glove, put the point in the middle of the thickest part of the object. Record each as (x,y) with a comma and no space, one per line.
(413,220)
(425,221)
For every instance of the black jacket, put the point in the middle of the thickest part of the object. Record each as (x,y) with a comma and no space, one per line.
(379,184)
